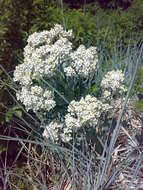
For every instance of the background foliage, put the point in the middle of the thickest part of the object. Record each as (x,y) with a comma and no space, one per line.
(90,23)
(99,23)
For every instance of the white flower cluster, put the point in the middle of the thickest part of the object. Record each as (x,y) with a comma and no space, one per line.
(85,112)
(83,62)
(51,131)
(49,51)
(39,38)
(35,98)
(112,84)
(56,130)
(66,136)
(43,55)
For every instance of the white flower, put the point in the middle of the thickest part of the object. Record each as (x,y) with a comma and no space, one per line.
(66,136)
(84,61)
(35,98)
(107,95)
(72,122)
(49,104)
(112,84)
(52,131)
(69,71)
(22,74)
(43,54)
(50,52)
(85,112)
(36,90)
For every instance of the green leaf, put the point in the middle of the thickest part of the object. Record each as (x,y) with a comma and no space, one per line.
(16,110)
(139,105)
(94,90)
(18,113)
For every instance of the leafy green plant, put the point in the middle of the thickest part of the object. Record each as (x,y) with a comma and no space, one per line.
(138,86)
(139,105)
(138,90)
(86,168)
(13,111)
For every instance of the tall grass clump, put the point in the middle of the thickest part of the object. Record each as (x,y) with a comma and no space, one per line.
(73,117)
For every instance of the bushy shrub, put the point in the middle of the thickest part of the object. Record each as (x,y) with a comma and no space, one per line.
(138,86)
(138,89)
(56,78)
(120,24)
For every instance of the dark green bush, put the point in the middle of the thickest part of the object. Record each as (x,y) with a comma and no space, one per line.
(138,90)
(126,25)
(138,86)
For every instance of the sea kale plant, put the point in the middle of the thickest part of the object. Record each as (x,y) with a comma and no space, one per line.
(54,82)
